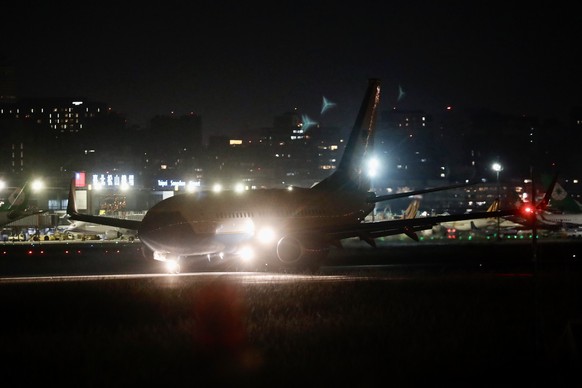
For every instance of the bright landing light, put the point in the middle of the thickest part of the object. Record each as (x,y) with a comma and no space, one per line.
(246,253)
(172,266)
(266,235)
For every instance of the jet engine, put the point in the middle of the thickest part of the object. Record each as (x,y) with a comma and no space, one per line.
(300,253)
(290,250)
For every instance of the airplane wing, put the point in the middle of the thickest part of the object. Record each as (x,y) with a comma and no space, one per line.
(371,230)
(111,221)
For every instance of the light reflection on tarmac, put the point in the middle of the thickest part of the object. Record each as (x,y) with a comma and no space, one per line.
(237,277)
(93,261)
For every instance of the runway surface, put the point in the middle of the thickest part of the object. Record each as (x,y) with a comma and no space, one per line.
(123,257)
(481,315)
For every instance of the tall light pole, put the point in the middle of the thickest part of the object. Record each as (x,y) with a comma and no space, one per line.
(498,168)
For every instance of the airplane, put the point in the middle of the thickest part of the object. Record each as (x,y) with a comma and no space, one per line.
(558,209)
(560,200)
(560,219)
(543,219)
(567,212)
(464,225)
(104,232)
(17,206)
(410,212)
(288,229)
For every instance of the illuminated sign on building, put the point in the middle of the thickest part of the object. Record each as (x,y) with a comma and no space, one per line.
(113,180)
(162,183)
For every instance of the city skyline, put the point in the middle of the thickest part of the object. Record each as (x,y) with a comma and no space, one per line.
(239,65)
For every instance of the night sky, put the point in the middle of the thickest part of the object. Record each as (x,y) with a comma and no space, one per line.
(239,63)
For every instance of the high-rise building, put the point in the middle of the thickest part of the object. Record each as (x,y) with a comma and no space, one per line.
(47,134)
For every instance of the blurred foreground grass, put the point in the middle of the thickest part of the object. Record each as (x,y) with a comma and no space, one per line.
(469,330)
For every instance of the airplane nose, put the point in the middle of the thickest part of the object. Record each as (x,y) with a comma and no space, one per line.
(172,232)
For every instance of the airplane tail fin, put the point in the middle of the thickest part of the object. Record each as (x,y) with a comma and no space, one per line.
(18,199)
(532,211)
(494,206)
(18,204)
(558,197)
(412,209)
(409,213)
(351,172)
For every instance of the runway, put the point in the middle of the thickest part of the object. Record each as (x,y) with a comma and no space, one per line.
(405,314)
(78,258)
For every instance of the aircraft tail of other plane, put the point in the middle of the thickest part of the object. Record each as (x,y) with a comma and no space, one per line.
(529,212)
(494,206)
(560,199)
(18,199)
(350,174)
(408,214)
(412,209)
(17,205)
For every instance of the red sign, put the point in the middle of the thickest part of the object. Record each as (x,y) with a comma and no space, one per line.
(80,179)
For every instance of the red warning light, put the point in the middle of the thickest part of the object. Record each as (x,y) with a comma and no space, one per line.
(527,210)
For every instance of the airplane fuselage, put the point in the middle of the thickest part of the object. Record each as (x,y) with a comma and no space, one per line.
(466,224)
(88,228)
(209,222)
(564,218)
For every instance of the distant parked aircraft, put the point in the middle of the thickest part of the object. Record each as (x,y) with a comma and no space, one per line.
(463,225)
(560,199)
(104,232)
